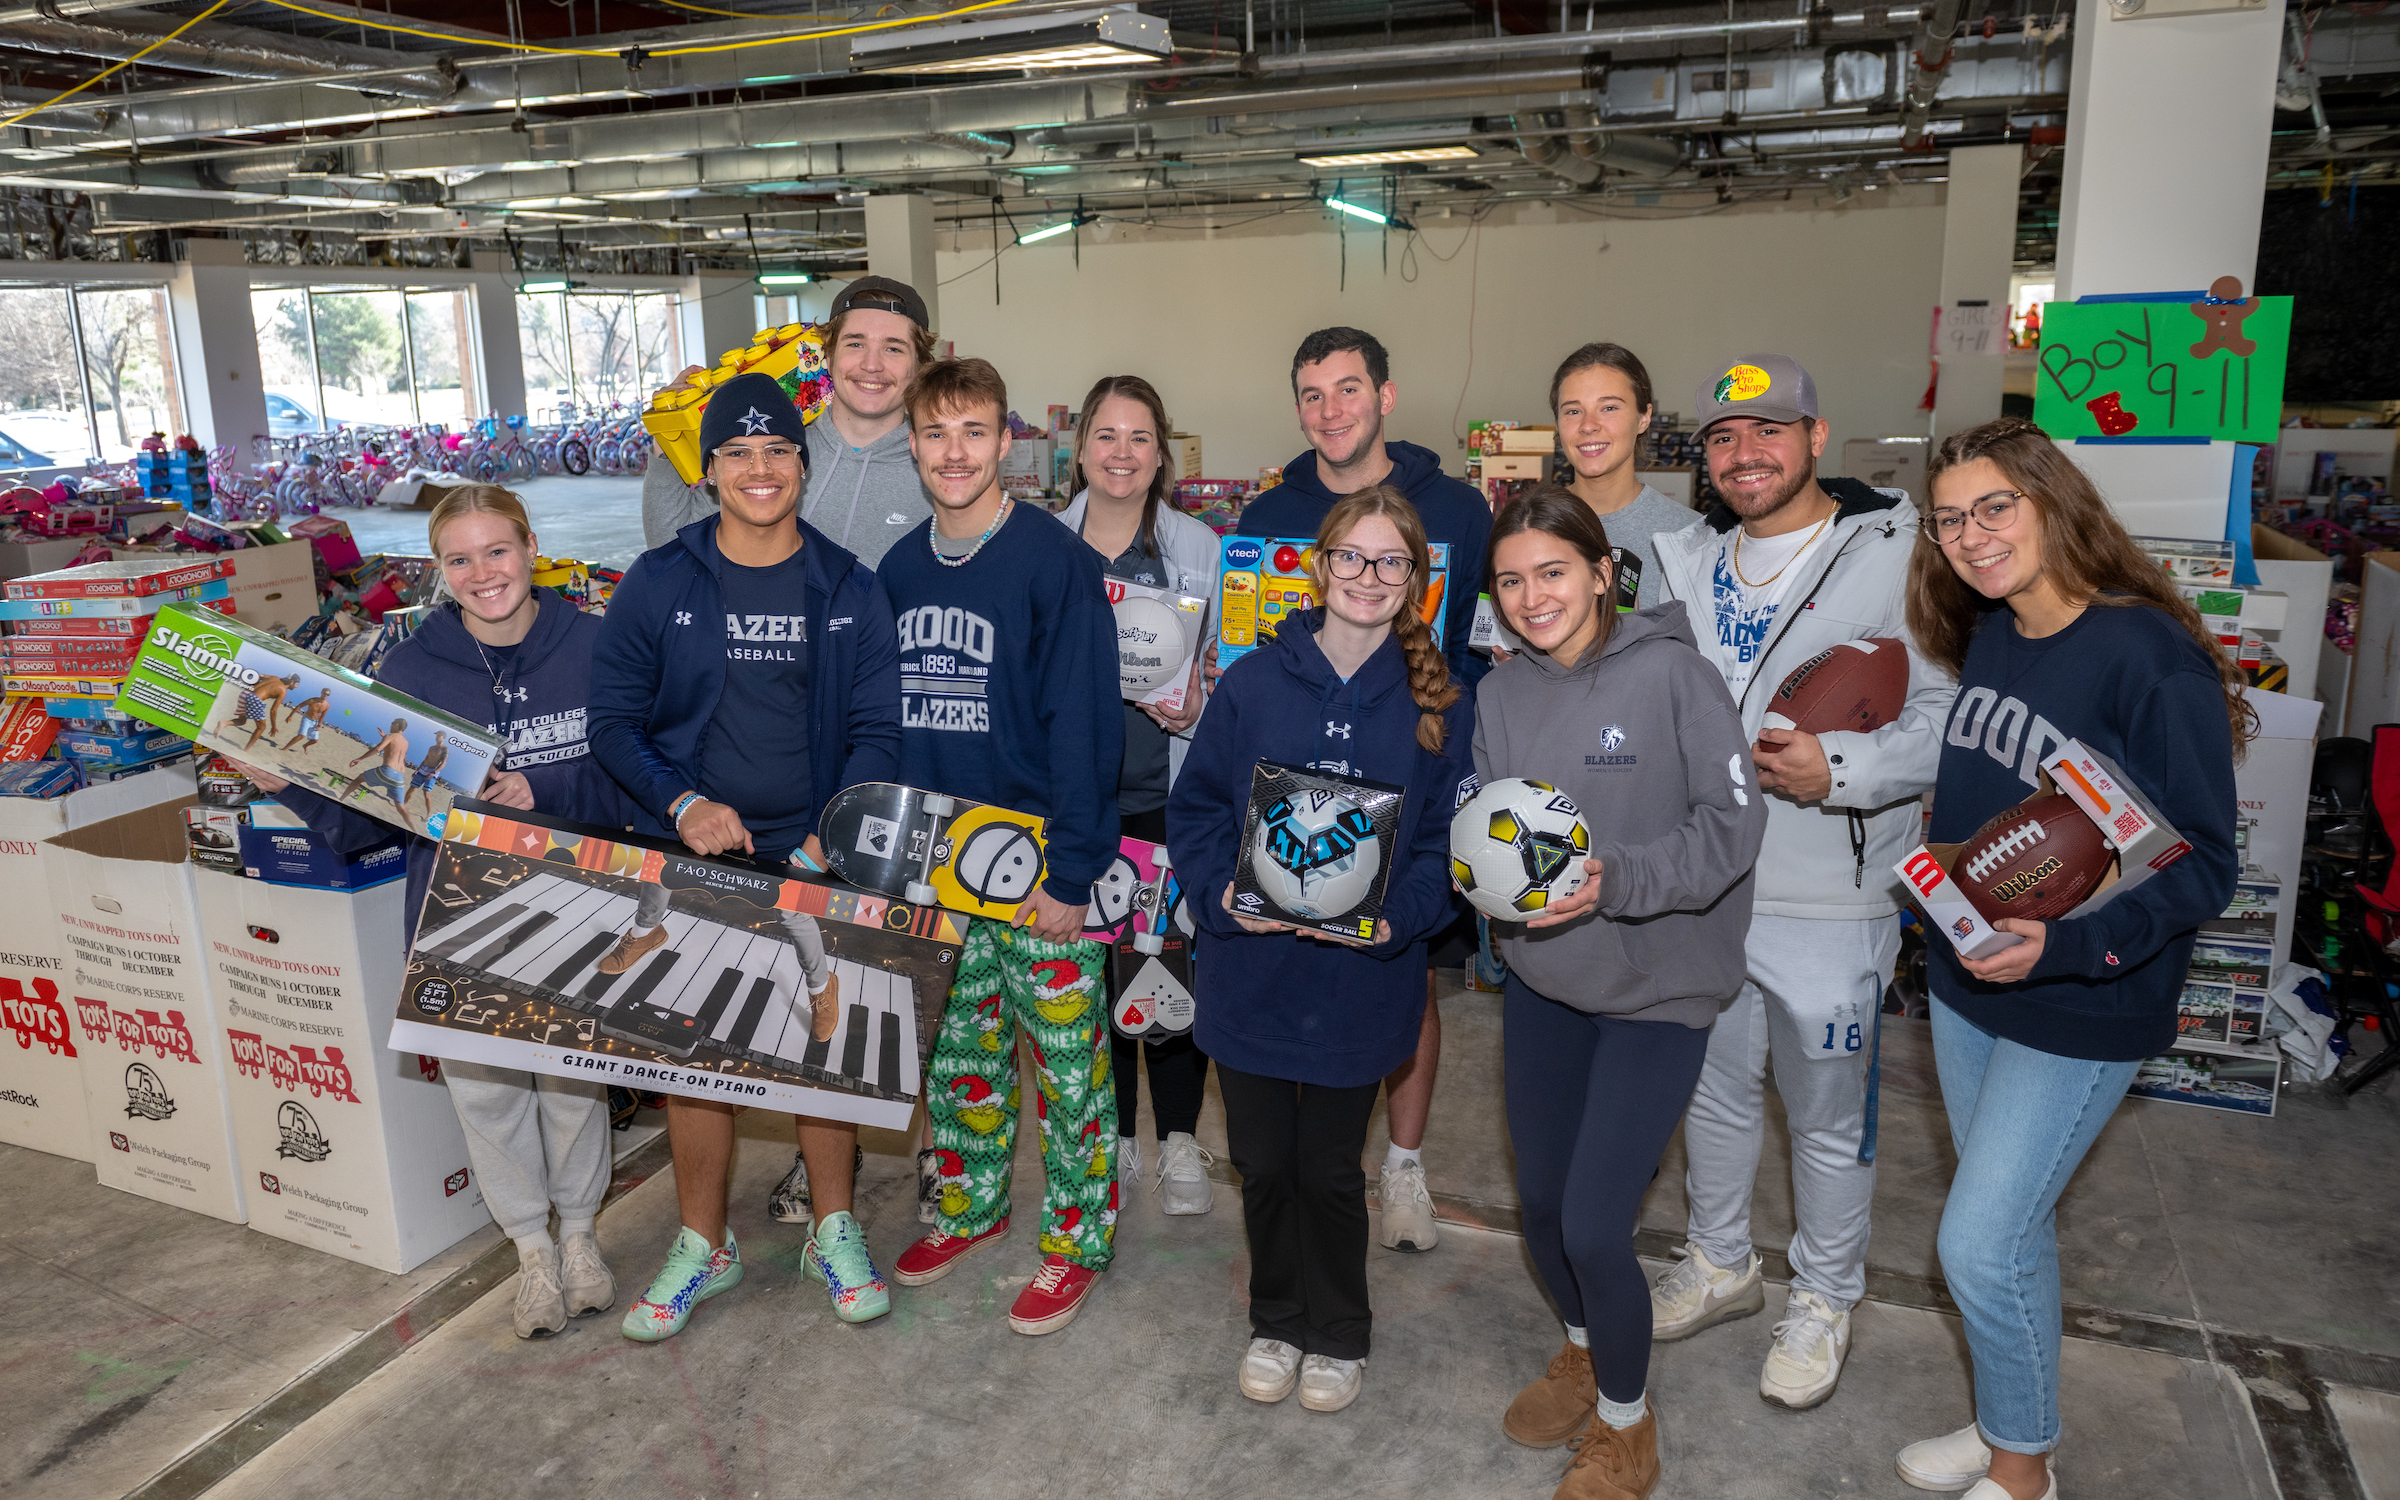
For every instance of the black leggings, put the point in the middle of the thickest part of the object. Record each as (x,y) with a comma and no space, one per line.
(1592,1102)
(1304,1207)
(1178,1068)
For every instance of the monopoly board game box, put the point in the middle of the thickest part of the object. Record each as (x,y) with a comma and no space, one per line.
(517,965)
(266,702)
(1262,579)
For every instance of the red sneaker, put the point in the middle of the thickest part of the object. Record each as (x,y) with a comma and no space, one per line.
(931,1258)
(1053,1299)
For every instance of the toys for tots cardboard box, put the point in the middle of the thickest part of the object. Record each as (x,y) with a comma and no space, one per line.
(41,1067)
(145,1027)
(2145,843)
(346,1146)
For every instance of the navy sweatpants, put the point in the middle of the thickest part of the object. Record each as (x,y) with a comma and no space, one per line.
(1592,1102)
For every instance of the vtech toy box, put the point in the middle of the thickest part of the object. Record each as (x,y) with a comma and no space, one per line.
(1265,578)
(2144,843)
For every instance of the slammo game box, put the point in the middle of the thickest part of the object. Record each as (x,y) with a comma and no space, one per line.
(2140,841)
(520,962)
(267,703)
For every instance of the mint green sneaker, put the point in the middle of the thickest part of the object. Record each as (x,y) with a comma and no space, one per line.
(837,1256)
(693,1274)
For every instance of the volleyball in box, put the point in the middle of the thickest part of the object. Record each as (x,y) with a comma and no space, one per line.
(1316,850)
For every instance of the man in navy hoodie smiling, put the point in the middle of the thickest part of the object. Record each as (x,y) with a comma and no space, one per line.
(746,672)
(1342,390)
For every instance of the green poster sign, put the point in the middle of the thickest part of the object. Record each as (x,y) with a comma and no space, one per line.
(2163,369)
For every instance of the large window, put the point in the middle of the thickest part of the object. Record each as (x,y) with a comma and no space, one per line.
(390,358)
(595,349)
(90,372)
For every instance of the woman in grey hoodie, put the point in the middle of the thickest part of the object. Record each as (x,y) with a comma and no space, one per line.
(1612,991)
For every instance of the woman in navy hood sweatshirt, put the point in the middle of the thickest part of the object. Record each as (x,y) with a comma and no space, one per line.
(1304,1030)
(520,666)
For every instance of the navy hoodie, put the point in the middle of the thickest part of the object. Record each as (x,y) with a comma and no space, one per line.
(660,669)
(1453,513)
(2129,682)
(1281,1005)
(1009,685)
(549,685)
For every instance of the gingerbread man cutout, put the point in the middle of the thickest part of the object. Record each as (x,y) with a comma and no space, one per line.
(2223,310)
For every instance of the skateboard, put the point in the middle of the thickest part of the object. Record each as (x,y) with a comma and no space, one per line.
(1138,910)
(932,849)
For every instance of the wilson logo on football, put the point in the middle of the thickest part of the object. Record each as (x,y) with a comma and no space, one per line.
(2025,880)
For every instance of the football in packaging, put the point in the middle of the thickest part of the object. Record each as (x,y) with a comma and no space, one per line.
(2038,860)
(1517,846)
(1316,850)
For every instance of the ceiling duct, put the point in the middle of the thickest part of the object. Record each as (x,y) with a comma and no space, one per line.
(1932,60)
(1580,155)
(65,117)
(234,52)
(281,167)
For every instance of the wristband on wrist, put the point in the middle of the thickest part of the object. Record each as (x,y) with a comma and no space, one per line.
(683,804)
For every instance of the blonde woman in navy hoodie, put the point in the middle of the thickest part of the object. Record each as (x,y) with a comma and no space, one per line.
(1304,1029)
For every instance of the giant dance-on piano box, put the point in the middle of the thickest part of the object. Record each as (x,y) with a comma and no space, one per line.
(514,950)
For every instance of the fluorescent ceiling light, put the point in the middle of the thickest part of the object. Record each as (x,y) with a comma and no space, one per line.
(553,203)
(785,278)
(546,286)
(1379,158)
(1355,212)
(1061,227)
(1074,39)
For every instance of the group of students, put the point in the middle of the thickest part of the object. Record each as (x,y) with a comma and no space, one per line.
(891,615)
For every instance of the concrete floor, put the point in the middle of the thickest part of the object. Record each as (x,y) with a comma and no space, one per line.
(177,1325)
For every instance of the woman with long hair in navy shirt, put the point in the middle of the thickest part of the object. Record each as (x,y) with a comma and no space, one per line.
(2058,627)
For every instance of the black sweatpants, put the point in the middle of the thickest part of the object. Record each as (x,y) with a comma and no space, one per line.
(1304,1208)
(1592,1102)
(1178,1068)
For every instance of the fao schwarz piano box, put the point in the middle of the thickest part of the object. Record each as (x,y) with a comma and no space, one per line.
(517,964)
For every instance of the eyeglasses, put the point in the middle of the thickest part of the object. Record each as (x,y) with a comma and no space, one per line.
(1345,563)
(773,455)
(1992,513)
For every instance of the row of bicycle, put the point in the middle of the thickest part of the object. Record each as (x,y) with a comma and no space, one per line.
(351,465)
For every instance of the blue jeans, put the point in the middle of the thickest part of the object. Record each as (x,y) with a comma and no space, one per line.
(2021,1121)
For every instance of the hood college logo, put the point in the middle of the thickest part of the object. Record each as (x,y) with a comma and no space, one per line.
(301,1138)
(146,1094)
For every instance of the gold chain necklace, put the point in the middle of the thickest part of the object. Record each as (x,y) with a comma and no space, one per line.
(1739,532)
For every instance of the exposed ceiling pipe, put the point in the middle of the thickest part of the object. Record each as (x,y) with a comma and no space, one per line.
(315,162)
(1932,60)
(231,52)
(1550,154)
(1642,155)
(72,10)
(990,144)
(63,117)
(1551,42)
(1385,90)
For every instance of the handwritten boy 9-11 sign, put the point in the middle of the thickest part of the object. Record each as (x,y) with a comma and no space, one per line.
(2210,367)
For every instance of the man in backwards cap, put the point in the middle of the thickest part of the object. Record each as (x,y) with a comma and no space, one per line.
(747,671)
(1785,567)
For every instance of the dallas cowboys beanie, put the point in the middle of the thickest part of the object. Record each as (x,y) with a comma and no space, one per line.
(750,406)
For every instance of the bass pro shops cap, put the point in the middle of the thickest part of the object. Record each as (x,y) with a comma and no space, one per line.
(1771,387)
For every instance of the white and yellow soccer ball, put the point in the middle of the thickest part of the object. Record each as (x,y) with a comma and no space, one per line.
(1517,846)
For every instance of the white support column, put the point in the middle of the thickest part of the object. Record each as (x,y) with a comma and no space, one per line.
(224,401)
(2167,132)
(1979,237)
(900,245)
(497,347)
(717,315)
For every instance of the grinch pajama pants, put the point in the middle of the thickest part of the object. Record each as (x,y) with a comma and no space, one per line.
(1009,978)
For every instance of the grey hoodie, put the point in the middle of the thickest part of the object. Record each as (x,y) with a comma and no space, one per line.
(1644,737)
(864,498)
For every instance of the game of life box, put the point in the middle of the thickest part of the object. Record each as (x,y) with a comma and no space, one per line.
(1317,850)
(2142,841)
(521,962)
(1265,578)
(267,703)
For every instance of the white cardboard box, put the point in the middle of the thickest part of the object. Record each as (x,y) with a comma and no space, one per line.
(41,1071)
(346,1146)
(275,588)
(152,1049)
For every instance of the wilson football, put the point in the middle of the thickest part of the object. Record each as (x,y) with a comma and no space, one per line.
(2038,860)
(1858,686)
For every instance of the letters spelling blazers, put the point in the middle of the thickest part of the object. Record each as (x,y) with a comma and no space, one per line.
(260,699)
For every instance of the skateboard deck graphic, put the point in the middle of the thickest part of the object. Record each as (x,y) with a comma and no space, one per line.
(1134,910)
(933,850)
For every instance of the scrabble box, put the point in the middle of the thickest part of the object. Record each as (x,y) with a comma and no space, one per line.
(524,911)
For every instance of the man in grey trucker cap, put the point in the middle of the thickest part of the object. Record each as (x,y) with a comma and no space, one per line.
(1787,566)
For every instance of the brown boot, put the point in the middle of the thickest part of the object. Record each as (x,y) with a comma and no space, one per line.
(1613,1465)
(630,949)
(825,1010)
(1554,1408)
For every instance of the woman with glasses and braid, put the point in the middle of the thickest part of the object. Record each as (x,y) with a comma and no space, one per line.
(1304,1027)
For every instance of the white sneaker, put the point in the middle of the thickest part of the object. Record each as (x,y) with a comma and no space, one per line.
(1328,1384)
(1810,1344)
(1407,1211)
(1988,1489)
(1183,1176)
(1269,1370)
(1950,1462)
(540,1310)
(587,1285)
(1129,1162)
(1700,1294)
